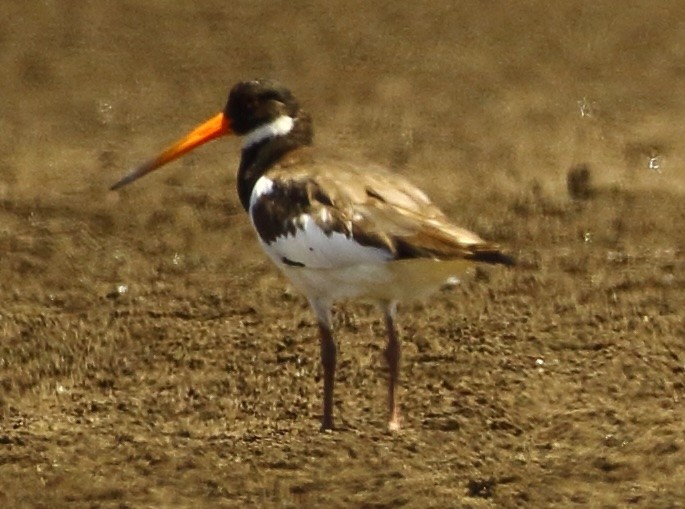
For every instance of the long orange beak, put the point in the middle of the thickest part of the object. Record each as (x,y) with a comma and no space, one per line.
(218,125)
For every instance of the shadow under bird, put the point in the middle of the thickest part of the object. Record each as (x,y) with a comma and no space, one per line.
(336,229)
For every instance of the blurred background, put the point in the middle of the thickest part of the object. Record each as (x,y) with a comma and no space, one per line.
(475,90)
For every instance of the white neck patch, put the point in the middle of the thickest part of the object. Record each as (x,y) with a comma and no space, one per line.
(282,125)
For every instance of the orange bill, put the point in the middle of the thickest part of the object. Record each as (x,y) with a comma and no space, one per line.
(218,125)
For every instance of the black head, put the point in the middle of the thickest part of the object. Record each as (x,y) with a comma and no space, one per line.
(258,102)
(251,104)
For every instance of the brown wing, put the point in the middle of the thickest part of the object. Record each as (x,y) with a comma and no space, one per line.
(381,209)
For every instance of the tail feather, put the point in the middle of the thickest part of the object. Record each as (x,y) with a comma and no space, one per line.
(491,254)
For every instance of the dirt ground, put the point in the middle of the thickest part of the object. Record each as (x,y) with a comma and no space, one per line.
(150,356)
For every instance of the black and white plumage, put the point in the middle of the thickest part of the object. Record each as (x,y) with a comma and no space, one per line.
(335,229)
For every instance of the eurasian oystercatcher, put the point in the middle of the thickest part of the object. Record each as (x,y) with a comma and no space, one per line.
(335,229)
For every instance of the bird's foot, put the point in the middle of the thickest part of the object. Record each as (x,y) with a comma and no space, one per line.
(326,425)
(394,425)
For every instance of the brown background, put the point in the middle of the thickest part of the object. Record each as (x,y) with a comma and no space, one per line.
(151,357)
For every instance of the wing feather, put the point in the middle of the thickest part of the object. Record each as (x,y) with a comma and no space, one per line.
(372,206)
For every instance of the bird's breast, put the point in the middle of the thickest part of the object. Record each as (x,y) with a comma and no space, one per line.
(295,234)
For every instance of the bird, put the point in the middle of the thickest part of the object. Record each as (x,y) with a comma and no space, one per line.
(335,228)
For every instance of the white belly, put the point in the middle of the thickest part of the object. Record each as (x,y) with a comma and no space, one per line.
(330,265)
(399,280)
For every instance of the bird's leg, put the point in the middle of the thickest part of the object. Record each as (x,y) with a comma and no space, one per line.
(328,355)
(392,356)
(328,360)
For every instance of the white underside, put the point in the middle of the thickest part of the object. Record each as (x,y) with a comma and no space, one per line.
(399,280)
(316,249)
(313,247)
(332,266)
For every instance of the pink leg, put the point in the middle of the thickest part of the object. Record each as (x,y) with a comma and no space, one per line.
(328,359)
(392,356)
